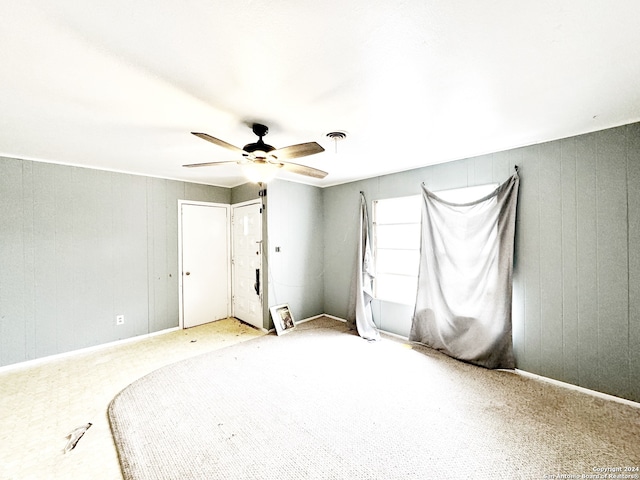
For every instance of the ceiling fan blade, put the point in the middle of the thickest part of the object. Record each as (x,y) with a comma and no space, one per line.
(303,170)
(297,151)
(208,164)
(217,141)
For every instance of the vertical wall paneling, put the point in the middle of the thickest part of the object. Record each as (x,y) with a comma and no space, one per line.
(569,262)
(12,275)
(587,252)
(204,193)
(633,201)
(66,263)
(153,223)
(244,193)
(92,256)
(529,258)
(174,192)
(612,238)
(502,166)
(340,234)
(162,231)
(80,246)
(295,225)
(29,235)
(45,257)
(447,175)
(480,170)
(550,238)
(576,297)
(129,217)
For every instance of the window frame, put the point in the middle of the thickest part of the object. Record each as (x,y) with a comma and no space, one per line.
(377,223)
(463,194)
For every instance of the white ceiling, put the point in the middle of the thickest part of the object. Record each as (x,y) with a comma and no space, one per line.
(118,85)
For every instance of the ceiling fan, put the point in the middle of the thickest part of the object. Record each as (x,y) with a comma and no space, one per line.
(260,160)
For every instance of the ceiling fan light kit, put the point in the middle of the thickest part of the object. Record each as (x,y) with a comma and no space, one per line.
(261,162)
(257,172)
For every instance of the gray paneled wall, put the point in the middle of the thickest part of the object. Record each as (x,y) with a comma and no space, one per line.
(244,193)
(295,225)
(577,263)
(576,299)
(79,246)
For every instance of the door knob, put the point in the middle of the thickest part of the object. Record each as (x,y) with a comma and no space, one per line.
(188,273)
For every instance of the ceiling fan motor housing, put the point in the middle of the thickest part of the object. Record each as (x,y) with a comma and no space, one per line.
(259,146)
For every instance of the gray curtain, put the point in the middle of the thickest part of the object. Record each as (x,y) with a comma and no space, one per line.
(463,304)
(362,284)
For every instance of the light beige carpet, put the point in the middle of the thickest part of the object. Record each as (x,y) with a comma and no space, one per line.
(321,403)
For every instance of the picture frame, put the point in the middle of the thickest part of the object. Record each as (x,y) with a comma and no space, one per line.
(282,318)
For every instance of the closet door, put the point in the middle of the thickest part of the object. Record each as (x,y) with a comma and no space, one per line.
(205,263)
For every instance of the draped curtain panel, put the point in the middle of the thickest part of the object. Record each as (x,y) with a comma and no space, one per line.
(362,285)
(463,303)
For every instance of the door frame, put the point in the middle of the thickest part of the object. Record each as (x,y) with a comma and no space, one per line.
(263,277)
(181,273)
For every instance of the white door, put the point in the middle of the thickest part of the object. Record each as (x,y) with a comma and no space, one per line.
(205,263)
(247,263)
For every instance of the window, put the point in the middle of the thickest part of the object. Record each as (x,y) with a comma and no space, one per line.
(396,241)
(396,233)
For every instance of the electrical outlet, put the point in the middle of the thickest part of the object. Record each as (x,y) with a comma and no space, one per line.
(119,319)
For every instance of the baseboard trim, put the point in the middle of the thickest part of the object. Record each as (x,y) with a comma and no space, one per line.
(390,334)
(315,317)
(570,386)
(397,336)
(60,356)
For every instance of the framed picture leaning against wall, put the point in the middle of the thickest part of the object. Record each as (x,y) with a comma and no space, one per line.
(282,318)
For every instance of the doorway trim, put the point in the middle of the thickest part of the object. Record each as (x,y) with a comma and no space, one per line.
(227,207)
